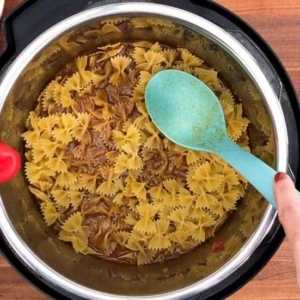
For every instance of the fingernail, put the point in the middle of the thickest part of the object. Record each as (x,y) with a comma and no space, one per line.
(280,176)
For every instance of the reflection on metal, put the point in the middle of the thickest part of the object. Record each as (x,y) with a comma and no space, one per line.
(89,277)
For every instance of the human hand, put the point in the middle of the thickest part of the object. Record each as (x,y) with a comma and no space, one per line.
(288,204)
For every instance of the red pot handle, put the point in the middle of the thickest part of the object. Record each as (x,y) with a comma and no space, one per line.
(10,163)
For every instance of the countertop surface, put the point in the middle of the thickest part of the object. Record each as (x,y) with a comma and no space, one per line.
(279,23)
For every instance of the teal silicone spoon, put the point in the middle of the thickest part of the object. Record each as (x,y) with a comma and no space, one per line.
(187,112)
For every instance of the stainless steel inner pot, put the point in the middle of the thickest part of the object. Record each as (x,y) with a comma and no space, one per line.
(54,261)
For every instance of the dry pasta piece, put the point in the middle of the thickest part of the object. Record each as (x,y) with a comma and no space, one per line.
(156,68)
(121,237)
(81,63)
(165,212)
(182,67)
(40,195)
(143,44)
(190,59)
(109,28)
(114,20)
(43,186)
(37,154)
(193,157)
(103,73)
(145,256)
(160,241)
(154,141)
(131,218)
(57,164)
(151,59)
(31,137)
(227,97)
(185,197)
(107,188)
(230,176)
(139,22)
(73,83)
(172,185)
(227,108)
(230,198)
(177,32)
(121,164)
(206,220)
(210,77)
(49,212)
(170,55)
(66,179)
(62,135)
(253,91)
(199,234)
(181,238)
(47,123)
(158,193)
(57,94)
(111,52)
(144,78)
(134,162)
(145,224)
(264,121)
(48,92)
(156,47)
(205,200)
(37,172)
(89,181)
(79,242)
(237,124)
(160,21)
(180,217)
(80,132)
(139,55)
(132,136)
(76,198)
(196,213)
(61,197)
(141,120)
(172,198)
(203,175)
(139,190)
(48,96)
(67,122)
(120,64)
(49,147)
(73,223)
(119,199)
(138,93)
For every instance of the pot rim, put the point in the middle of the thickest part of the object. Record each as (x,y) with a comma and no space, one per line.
(237,51)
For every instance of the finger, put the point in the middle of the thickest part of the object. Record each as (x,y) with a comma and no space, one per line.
(288,204)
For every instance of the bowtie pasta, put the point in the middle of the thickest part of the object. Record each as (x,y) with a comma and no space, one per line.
(105,177)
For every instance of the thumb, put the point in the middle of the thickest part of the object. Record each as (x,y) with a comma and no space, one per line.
(288,204)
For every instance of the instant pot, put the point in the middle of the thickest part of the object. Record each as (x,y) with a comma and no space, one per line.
(34,50)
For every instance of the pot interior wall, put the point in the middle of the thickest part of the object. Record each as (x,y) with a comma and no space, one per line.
(93,272)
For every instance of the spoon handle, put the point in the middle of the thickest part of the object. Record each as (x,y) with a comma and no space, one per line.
(258,173)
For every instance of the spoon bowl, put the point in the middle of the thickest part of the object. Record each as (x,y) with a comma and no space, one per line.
(187,112)
(173,102)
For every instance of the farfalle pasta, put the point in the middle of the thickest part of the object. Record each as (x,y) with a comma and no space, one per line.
(106,178)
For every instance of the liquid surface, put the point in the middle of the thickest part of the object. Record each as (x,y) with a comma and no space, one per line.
(106,179)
